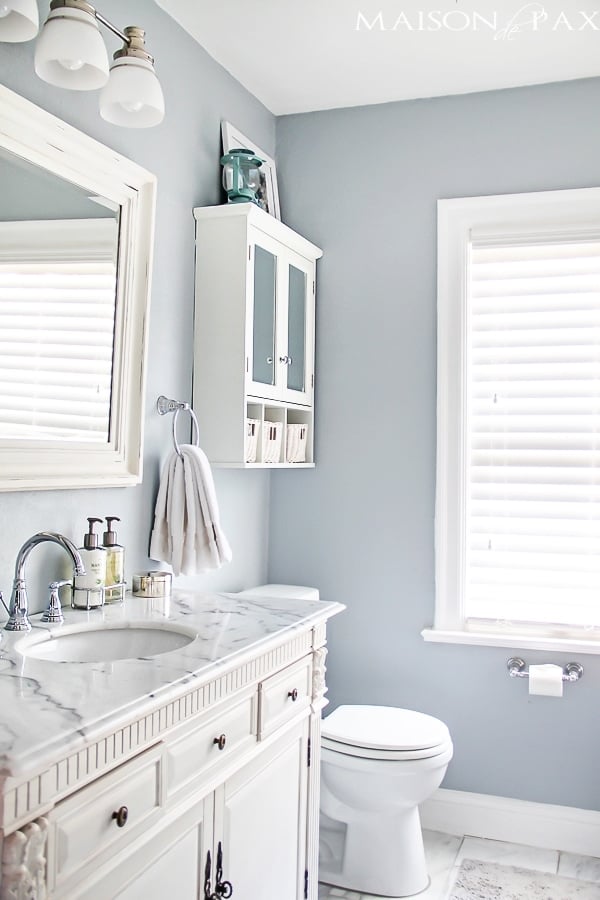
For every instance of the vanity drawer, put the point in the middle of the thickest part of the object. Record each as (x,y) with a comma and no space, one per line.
(194,750)
(284,695)
(99,818)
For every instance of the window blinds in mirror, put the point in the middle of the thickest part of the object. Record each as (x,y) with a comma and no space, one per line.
(57,314)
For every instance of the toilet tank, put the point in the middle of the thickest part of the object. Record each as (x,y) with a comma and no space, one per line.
(285,591)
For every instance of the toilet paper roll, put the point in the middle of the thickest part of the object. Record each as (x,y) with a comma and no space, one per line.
(546,680)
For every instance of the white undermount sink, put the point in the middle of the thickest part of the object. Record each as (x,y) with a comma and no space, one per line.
(106,643)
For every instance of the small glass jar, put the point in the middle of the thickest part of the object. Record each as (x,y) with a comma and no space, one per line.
(241,175)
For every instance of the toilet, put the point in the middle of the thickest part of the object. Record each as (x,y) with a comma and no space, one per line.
(378,763)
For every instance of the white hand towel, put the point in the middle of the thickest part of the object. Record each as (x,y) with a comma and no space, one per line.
(187,531)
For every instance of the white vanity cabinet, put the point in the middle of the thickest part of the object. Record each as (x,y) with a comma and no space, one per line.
(249,832)
(254,337)
(211,792)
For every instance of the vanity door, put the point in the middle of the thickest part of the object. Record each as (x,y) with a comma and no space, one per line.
(260,821)
(176,872)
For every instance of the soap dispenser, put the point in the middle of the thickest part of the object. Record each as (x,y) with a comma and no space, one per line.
(115,564)
(88,589)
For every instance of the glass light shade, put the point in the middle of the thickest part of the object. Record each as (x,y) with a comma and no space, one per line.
(70,52)
(19,20)
(133,96)
(241,176)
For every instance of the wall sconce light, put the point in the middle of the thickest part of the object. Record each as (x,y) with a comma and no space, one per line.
(19,20)
(70,53)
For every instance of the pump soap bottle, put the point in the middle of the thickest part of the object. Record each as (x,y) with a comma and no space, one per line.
(115,564)
(88,589)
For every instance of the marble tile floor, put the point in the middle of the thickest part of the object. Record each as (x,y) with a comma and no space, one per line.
(445,853)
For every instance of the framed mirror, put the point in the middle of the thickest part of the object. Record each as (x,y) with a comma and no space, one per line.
(76,237)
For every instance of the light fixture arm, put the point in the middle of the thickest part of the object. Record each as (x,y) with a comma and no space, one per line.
(111,27)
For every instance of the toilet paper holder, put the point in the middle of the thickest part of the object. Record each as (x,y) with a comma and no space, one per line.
(518,669)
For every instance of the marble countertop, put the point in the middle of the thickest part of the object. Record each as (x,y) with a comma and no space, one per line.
(50,707)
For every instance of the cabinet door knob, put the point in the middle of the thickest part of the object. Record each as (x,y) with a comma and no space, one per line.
(286,360)
(220,741)
(270,360)
(121,815)
(293,694)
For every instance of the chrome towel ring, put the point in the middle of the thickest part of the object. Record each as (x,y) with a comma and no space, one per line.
(164,406)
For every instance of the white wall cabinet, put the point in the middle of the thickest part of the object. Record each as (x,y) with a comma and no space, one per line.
(254,337)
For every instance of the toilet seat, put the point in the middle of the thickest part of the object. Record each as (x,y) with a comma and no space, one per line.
(383,732)
(372,753)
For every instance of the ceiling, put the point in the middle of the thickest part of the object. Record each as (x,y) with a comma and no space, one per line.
(303,55)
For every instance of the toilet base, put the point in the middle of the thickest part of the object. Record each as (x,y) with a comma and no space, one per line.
(376,855)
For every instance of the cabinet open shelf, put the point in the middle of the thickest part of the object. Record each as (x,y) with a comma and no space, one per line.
(278,435)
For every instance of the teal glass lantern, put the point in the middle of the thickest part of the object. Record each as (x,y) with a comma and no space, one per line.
(241,176)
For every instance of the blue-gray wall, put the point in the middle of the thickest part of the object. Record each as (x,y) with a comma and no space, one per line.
(363,184)
(184,153)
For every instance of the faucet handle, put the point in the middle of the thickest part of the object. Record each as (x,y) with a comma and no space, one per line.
(53,612)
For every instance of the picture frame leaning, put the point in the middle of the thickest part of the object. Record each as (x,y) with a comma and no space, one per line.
(268,196)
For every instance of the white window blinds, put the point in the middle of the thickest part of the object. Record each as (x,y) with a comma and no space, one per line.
(57,312)
(532,431)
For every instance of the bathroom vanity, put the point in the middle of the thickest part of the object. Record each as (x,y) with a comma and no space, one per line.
(191,773)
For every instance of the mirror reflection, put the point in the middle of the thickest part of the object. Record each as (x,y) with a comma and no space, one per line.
(58,289)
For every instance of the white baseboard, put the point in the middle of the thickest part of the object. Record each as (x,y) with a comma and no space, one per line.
(518,821)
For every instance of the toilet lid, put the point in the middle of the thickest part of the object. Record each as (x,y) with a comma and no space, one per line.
(384,728)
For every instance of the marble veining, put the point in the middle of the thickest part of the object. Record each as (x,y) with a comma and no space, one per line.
(50,706)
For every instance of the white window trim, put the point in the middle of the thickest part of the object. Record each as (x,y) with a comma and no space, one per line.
(543,213)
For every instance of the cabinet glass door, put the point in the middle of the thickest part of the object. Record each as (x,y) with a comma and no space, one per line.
(264,316)
(296,367)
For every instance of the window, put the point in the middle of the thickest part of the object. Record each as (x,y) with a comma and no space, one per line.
(518,472)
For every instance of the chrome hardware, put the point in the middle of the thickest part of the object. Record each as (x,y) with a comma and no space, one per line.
(164,406)
(102,590)
(18,617)
(220,741)
(286,360)
(121,815)
(293,695)
(269,360)
(517,669)
(572,672)
(53,612)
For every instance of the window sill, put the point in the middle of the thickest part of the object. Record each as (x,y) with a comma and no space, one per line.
(512,641)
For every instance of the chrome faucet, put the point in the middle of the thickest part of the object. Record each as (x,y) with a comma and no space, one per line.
(18,618)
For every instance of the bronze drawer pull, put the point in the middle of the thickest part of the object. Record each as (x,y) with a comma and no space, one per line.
(121,815)
(293,694)
(220,741)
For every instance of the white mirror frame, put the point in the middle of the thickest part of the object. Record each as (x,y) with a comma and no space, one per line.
(42,139)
